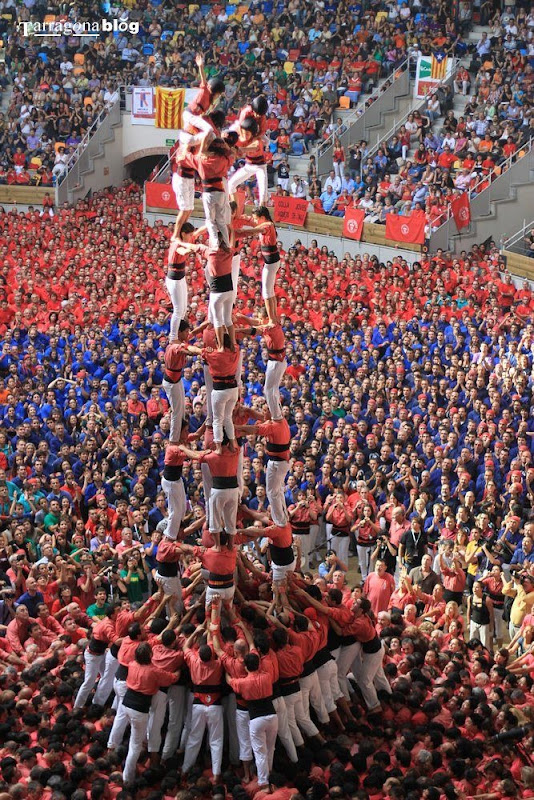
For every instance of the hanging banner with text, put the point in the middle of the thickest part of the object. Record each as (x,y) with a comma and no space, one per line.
(291,210)
(143,107)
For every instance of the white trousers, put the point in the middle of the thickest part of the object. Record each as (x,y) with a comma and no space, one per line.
(208,383)
(217,213)
(499,623)
(298,719)
(220,307)
(156,718)
(184,191)
(188,714)
(340,546)
(310,690)
(345,659)
(105,684)
(258,171)
(275,482)
(138,727)
(236,265)
(176,704)
(172,586)
(364,559)
(176,503)
(369,673)
(195,121)
(94,666)
(223,510)
(242,720)
(207,483)
(178,293)
(284,732)
(280,571)
(268,279)
(273,378)
(314,533)
(120,723)
(481,632)
(176,396)
(223,402)
(225,593)
(263,732)
(202,717)
(304,541)
(329,683)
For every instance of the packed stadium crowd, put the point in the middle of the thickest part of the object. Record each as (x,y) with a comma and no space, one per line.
(408,492)
(275,496)
(436,154)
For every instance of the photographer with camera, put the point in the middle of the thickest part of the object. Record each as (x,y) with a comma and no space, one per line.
(332,563)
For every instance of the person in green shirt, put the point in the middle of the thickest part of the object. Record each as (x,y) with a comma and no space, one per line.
(133,578)
(99,609)
(51,520)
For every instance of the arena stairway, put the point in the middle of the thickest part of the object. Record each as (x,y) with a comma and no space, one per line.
(94,156)
(375,113)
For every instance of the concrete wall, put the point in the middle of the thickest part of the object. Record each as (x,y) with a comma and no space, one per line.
(143,140)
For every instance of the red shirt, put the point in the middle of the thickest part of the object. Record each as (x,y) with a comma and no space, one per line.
(212,169)
(221,466)
(221,364)
(278,438)
(208,674)
(104,631)
(175,356)
(166,658)
(222,563)
(290,661)
(280,536)
(127,651)
(255,686)
(275,342)
(202,100)
(147,678)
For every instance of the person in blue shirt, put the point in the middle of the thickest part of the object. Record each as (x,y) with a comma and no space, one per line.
(31,598)
(328,199)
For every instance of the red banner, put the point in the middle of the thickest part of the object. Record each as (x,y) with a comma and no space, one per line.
(406,229)
(461,211)
(160,195)
(353,223)
(291,210)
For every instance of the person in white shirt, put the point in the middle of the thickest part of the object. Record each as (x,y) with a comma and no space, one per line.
(334,181)
(299,187)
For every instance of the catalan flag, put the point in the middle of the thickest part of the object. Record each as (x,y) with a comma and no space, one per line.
(169,107)
(438,69)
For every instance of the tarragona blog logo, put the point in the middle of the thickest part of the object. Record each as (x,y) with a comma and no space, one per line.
(69,28)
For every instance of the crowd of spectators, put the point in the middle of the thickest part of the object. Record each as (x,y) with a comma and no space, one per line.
(409,397)
(303,59)
(437,154)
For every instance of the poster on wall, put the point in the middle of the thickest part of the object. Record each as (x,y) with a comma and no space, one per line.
(431,71)
(143,105)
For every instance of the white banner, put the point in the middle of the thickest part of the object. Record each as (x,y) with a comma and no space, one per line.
(143,106)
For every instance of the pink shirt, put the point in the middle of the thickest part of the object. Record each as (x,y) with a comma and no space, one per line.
(378,590)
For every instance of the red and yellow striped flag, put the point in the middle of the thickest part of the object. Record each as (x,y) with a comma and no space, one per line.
(438,68)
(169,107)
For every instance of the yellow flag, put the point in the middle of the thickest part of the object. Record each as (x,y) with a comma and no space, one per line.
(169,107)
